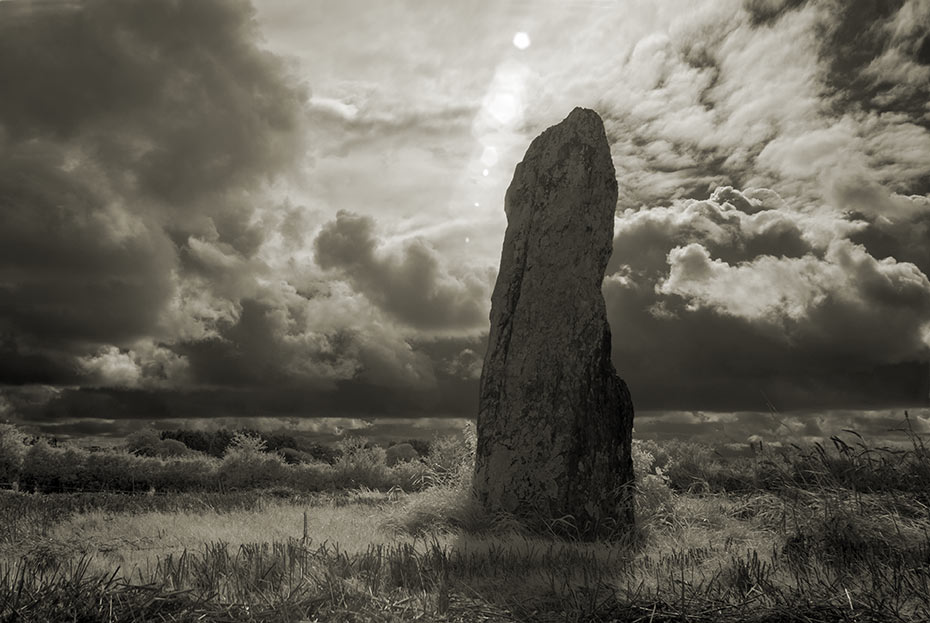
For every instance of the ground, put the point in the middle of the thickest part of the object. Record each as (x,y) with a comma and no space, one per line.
(431,555)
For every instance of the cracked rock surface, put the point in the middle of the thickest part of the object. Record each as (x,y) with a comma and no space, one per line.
(555,420)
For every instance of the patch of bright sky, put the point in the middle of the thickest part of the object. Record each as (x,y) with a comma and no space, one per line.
(422,113)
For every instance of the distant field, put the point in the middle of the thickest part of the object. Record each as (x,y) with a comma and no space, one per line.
(820,534)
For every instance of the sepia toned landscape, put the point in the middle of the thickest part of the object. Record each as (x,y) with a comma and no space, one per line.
(822,533)
(524,311)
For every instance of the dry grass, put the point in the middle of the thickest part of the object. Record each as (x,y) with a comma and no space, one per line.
(833,541)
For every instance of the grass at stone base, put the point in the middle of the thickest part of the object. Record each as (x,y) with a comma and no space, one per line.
(800,555)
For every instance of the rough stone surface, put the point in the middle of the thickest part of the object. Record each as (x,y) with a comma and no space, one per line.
(554,419)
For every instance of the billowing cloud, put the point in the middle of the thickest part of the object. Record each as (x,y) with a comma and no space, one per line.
(759,303)
(411,284)
(147,365)
(129,131)
(216,209)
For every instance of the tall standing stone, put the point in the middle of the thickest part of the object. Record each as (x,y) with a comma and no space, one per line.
(554,419)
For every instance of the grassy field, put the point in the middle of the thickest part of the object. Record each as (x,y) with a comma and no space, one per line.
(838,533)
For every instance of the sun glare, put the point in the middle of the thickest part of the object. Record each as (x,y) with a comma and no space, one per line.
(504,107)
(489,157)
(521,40)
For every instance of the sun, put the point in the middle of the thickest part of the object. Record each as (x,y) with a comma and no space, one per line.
(521,40)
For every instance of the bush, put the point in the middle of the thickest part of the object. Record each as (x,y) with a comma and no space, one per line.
(442,509)
(213,443)
(422,446)
(360,464)
(147,442)
(400,453)
(696,467)
(12,452)
(113,471)
(193,473)
(143,442)
(308,477)
(654,498)
(661,453)
(172,448)
(322,453)
(408,475)
(295,457)
(246,464)
(451,460)
(52,469)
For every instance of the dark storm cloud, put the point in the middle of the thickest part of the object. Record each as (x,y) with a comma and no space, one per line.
(449,398)
(74,267)
(127,130)
(721,308)
(411,284)
(176,95)
(20,365)
(170,245)
(766,12)
(876,55)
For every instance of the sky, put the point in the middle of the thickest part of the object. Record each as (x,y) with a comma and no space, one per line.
(290,213)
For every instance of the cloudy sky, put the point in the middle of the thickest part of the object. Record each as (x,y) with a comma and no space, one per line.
(293,210)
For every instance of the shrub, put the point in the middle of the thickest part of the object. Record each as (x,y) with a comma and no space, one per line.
(52,469)
(213,443)
(295,457)
(360,464)
(442,509)
(113,471)
(422,446)
(192,473)
(322,453)
(408,475)
(309,477)
(143,442)
(697,468)
(660,452)
(451,460)
(147,442)
(400,453)
(172,448)
(643,459)
(654,498)
(246,464)
(12,452)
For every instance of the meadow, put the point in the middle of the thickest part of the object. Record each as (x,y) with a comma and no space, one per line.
(830,532)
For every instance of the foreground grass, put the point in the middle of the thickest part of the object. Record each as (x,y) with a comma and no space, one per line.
(822,534)
(800,555)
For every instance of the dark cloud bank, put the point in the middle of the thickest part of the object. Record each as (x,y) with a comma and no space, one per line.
(147,272)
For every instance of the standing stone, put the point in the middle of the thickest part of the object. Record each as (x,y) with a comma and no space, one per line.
(554,419)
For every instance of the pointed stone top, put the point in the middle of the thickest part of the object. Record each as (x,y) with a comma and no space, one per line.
(584,115)
(581,125)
